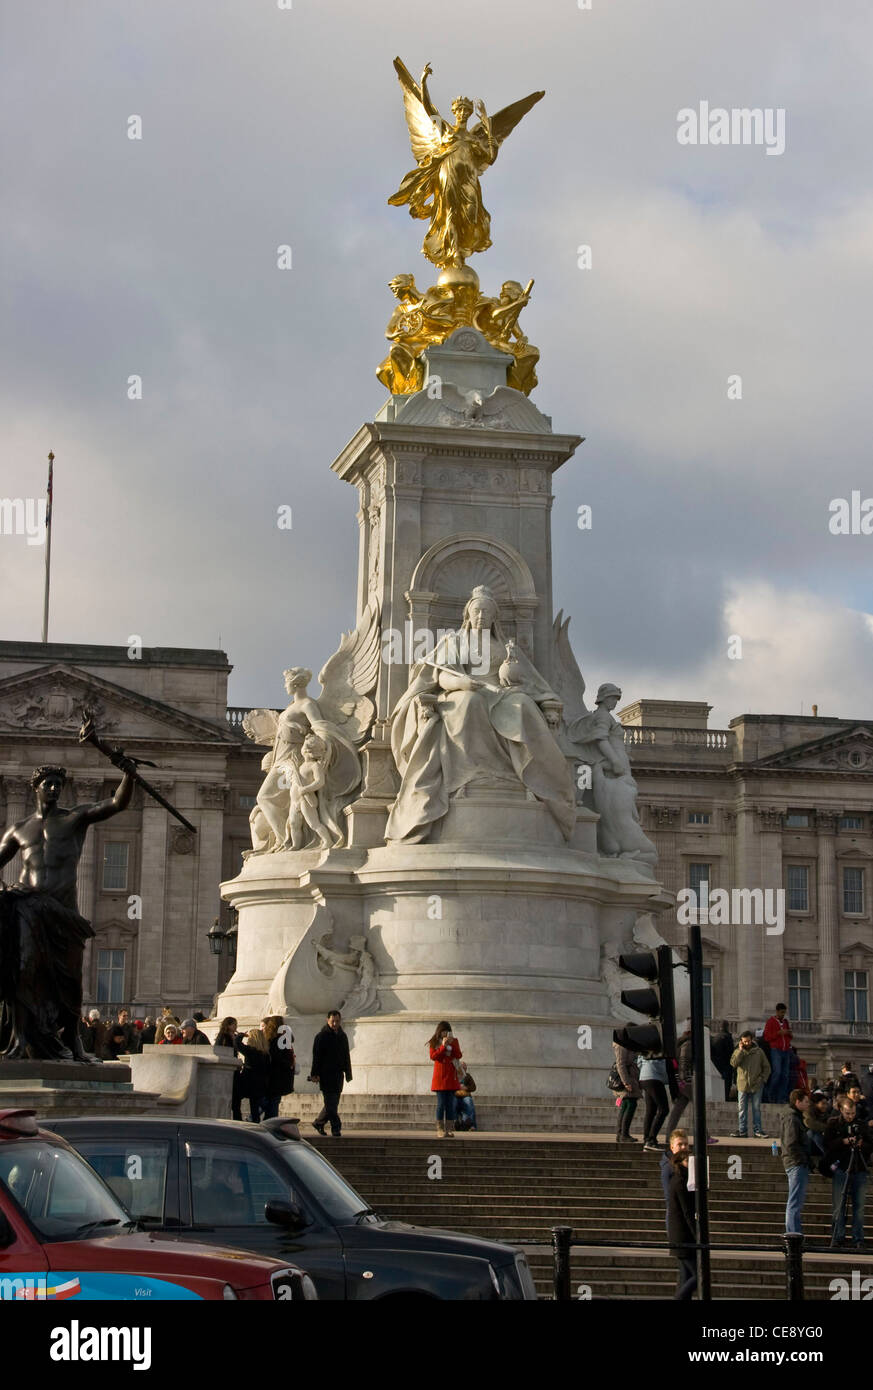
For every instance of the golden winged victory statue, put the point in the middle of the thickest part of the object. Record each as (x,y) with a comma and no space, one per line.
(445,190)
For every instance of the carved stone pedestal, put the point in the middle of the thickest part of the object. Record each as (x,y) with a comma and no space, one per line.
(67,1088)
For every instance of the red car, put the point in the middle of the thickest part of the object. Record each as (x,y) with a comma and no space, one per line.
(65,1235)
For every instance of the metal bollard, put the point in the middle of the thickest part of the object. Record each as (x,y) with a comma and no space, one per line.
(561,1238)
(793,1267)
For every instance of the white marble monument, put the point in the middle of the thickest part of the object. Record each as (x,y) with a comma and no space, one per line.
(447,831)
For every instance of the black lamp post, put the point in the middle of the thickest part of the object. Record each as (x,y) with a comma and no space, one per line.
(232,934)
(216,938)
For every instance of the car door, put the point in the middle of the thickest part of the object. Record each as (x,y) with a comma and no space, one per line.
(223,1195)
(23,1264)
(142,1172)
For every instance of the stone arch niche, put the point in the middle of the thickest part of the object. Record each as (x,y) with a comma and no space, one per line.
(448,572)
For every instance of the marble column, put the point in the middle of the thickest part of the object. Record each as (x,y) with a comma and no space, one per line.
(204,965)
(19,796)
(87,789)
(828,1005)
(759,957)
(152,890)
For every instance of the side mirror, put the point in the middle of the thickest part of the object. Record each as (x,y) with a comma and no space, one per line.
(286,1214)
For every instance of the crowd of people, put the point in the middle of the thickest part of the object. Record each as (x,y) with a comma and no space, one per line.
(826,1130)
(828,1134)
(268,1065)
(761,1067)
(831,1134)
(110,1039)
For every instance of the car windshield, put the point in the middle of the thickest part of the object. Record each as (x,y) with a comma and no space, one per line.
(59,1193)
(341,1202)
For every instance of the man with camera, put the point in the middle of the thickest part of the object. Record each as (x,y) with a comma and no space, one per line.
(796,1145)
(848,1148)
(752,1070)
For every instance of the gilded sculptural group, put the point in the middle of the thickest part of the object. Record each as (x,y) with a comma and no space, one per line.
(445,190)
(422,320)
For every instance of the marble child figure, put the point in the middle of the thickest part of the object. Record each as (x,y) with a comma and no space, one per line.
(306,779)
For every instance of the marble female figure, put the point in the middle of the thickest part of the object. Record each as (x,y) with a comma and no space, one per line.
(599,738)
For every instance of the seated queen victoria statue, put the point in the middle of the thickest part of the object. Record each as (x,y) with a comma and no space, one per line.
(488,720)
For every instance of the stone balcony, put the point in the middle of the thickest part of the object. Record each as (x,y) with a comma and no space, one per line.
(677,745)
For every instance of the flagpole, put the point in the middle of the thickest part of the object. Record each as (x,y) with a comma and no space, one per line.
(48,547)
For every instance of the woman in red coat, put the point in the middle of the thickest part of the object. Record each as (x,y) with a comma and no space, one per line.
(444,1052)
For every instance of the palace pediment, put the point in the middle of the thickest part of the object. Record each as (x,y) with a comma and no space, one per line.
(48,702)
(850,750)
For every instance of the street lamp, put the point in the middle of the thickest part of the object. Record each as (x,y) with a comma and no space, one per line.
(232,933)
(216,937)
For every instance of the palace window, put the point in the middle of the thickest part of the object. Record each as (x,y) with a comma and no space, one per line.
(797,884)
(707,991)
(697,874)
(115,856)
(246,802)
(853,890)
(798,820)
(110,977)
(800,995)
(851,822)
(699,818)
(855,987)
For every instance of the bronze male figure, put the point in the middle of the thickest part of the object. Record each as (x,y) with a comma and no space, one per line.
(42,934)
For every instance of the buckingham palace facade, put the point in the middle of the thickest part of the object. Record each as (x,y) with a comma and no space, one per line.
(772,802)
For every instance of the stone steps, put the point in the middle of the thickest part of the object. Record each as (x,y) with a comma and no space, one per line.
(71,1102)
(505,1113)
(516,1190)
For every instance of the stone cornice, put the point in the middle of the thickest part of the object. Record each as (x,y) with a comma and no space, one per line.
(497,447)
(33,680)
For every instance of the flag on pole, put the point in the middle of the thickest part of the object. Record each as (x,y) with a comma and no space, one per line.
(48,500)
(48,547)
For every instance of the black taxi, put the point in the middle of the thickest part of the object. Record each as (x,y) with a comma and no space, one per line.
(263,1188)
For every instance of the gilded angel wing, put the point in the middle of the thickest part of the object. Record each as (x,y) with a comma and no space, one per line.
(567,679)
(424,135)
(505,121)
(349,677)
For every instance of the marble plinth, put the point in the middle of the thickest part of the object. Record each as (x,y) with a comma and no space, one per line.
(503,940)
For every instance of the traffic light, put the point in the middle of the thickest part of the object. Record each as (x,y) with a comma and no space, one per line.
(659,1036)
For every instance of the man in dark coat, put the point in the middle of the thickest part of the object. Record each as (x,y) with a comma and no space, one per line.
(331,1064)
(131,1032)
(681,1229)
(191,1035)
(721,1047)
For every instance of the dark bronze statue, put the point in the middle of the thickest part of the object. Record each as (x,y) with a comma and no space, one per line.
(42,935)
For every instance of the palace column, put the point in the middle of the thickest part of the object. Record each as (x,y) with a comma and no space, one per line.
(87,789)
(759,957)
(207,897)
(18,790)
(829,1004)
(152,891)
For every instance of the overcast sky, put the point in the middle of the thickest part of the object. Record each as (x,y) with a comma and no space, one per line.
(264,126)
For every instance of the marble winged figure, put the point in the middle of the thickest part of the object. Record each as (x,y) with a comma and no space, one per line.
(313,768)
(595,738)
(444,189)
